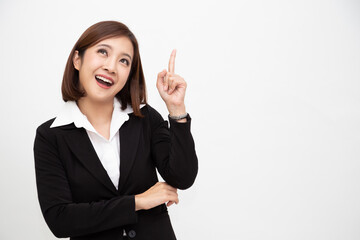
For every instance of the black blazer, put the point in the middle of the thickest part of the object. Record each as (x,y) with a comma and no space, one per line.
(77,197)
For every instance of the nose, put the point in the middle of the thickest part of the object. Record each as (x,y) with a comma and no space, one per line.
(110,65)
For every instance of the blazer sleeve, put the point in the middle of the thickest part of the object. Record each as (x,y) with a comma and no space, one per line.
(64,217)
(173,150)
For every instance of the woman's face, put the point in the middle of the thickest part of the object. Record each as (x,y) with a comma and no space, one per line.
(104,68)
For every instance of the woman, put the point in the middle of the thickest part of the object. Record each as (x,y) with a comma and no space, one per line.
(96,161)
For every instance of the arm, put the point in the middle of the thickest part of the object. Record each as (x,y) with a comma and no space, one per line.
(64,217)
(173,151)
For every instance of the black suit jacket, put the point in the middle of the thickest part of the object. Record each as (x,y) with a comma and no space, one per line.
(77,197)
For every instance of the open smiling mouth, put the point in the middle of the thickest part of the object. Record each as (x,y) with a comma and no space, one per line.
(102,81)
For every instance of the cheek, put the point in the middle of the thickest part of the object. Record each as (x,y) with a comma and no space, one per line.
(84,77)
(87,70)
(121,84)
(124,74)
(122,80)
(93,64)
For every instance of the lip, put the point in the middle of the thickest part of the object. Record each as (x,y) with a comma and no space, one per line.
(107,77)
(102,85)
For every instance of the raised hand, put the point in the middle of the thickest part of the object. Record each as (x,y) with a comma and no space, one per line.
(172,88)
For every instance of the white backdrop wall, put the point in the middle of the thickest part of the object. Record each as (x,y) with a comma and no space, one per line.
(273,90)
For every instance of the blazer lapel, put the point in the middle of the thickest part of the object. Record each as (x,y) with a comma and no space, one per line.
(129,140)
(81,146)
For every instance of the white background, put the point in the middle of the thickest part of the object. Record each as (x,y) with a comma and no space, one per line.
(273,90)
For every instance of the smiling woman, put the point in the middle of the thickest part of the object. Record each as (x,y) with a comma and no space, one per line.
(96,161)
(106,63)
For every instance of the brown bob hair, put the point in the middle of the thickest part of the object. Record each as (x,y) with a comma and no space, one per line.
(133,92)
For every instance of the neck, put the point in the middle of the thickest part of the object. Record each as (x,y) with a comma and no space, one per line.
(98,113)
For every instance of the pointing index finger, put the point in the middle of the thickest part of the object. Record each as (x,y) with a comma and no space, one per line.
(172,61)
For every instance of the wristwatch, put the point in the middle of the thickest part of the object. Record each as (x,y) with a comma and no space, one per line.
(179,117)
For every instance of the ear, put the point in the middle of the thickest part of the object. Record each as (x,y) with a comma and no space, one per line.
(77,60)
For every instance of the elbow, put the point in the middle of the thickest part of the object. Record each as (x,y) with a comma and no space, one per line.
(181,174)
(56,225)
(59,234)
(188,182)
(58,230)
(185,180)
(185,185)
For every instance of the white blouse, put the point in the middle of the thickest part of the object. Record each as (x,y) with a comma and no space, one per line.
(108,151)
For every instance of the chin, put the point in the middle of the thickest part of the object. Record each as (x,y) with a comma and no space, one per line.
(100,98)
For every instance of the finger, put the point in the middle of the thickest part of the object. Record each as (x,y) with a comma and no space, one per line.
(170,82)
(172,86)
(172,61)
(169,203)
(160,78)
(168,195)
(175,83)
(174,198)
(166,82)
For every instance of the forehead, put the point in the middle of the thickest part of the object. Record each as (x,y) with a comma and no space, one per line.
(120,44)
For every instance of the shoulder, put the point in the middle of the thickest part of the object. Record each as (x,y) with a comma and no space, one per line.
(44,135)
(46,131)
(44,127)
(151,113)
(152,117)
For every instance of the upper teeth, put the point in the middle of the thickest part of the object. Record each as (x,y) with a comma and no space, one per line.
(104,79)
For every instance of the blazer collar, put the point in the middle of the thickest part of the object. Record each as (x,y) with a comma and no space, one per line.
(81,146)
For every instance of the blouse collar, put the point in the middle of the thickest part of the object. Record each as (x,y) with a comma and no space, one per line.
(70,113)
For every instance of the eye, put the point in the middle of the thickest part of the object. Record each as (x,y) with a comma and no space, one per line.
(124,60)
(102,51)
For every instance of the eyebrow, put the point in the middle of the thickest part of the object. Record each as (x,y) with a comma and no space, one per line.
(108,46)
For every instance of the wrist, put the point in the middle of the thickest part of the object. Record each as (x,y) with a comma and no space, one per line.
(179,118)
(138,202)
(176,110)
